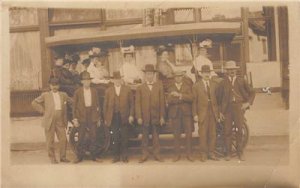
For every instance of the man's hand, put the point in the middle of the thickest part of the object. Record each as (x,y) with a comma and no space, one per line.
(175,94)
(130,120)
(196,119)
(162,121)
(140,121)
(75,123)
(245,106)
(222,117)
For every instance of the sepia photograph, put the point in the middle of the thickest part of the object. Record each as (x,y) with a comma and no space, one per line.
(150,95)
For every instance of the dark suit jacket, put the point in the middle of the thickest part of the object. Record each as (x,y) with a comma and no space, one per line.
(241,88)
(200,99)
(79,111)
(150,105)
(126,104)
(45,105)
(175,104)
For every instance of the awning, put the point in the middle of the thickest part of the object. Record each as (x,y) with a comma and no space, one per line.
(219,30)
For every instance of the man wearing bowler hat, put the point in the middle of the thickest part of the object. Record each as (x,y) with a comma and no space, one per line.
(53,106)
(237,98)
(86,115)
(180,98)
(150,111)
(118,114)
(206,113)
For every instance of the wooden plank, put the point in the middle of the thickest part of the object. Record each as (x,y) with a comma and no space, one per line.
(45,52)
(27,28)
(218,28)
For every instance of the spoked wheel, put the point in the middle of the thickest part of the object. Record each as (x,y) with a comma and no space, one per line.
(220,147)
(103,140)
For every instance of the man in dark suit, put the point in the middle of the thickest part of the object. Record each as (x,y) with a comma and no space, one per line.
(206,113)
(118,114)
(237,97)
(86,114)
(180,98)
(53,105)
(150,111)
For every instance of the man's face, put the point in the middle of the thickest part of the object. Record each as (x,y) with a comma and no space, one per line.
(117,82)
(128,57)
(164,56)
(178,79)
(54,87)
(205,75)
(149,76)
(86,83)
(231,72)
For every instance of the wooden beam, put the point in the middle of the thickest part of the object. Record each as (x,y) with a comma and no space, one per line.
(119,22)
(245,28)
(46,64)
(27,28)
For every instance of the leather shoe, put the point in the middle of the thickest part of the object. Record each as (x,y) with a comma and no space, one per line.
(64,160)
(241,157)
(190,158)
(213,157)
(176,158)
(77,160)
(143,159)
(158,158)
(53,161)
(203,158)
(116,159)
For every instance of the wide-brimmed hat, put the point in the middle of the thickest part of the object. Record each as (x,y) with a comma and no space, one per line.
(205,68)
(85,75)
(149,68)
(53,81)
(207,43)
(231,65)
(127,50)
(97,52)
(179,73)
(160,49)
(116,75)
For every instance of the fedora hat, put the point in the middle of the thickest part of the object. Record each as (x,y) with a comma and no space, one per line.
(149,68)
(179,73)
(205,68)
(116,75)
(85,75)
(231,65)
(53,81)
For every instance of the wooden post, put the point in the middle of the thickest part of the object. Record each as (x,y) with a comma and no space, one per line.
(46,63)
(245,27)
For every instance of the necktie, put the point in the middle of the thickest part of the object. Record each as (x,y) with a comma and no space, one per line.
(208,90)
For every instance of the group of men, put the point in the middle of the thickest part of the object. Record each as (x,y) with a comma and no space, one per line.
(208,101)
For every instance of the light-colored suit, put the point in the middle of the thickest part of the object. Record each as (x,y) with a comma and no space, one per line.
(54,121)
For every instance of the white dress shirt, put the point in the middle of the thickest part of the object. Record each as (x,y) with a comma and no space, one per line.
(87,97)
(206,83)
(178,85)
(57,101)
(118,90)
(150,85)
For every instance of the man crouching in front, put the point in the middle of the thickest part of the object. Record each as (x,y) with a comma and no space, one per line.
(53,106)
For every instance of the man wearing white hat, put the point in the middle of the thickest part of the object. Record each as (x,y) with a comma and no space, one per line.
(237,98)
(131,73)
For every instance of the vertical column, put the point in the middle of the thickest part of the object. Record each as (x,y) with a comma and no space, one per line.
(245,27)
(45,52)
